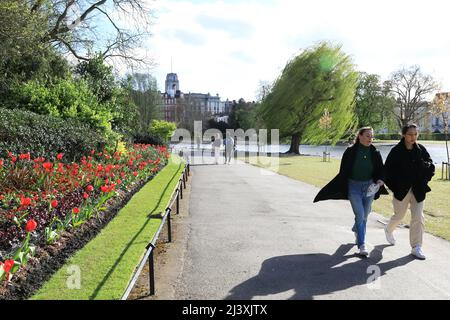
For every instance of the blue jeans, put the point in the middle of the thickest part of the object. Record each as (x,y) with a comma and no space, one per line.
(361,206)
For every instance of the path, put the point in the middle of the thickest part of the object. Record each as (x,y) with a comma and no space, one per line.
(259,236)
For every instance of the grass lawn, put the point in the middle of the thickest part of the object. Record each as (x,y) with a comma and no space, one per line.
(313,171)
(107,263)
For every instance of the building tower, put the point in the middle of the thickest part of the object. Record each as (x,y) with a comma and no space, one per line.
(172,84)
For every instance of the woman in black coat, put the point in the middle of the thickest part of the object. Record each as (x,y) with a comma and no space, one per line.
(361,168)
(408,170)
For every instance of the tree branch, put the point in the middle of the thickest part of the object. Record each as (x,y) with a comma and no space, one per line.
(55,29)
(37,5)
(69,47)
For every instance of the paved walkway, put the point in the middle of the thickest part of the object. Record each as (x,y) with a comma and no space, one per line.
(259,236)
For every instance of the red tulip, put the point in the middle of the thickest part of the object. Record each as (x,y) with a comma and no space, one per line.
(31,225)
(90,188)
(85,196)
(75,210)
(47,166)
(8,265)
(25,202)
(24,156)
(59,156)
(54,203)
(135,173)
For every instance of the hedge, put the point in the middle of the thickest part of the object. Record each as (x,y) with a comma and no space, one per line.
(422,136)
(147,138)
(44,136)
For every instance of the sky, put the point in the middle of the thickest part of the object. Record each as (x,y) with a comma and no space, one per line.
(229,47)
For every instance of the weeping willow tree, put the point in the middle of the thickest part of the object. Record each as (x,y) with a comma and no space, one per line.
(321,77)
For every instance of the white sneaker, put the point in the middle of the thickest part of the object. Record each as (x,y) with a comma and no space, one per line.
(418,253)
(389,236)
(363,251)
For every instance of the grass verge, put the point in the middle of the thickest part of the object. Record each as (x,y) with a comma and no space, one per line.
(313,171)
(106,264)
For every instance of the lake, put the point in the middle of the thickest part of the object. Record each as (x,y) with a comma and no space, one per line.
(437,151)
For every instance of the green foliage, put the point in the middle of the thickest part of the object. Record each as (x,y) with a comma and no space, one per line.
(146,97)
(24,131)
(422,136)
(244,115)
(20,29)
(35,76)
(125,112)
(146,138)
(23,55)
(67,99)
(374,105)
(162,128)
(320,77)
(99,76)
(388,136)
(221,126)
(113,96)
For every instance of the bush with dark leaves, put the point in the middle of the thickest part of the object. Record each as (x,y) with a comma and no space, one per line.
(45,136)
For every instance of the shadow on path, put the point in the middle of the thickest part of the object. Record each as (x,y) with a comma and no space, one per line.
(311,275)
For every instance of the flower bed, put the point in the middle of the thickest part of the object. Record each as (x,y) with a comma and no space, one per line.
(45,203)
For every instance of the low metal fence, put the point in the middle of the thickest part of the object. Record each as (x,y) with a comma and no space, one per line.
(149,254)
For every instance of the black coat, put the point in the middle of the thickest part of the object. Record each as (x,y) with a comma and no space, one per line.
(337,189)
(406,170)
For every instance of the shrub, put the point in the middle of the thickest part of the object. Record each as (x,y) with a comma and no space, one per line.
(388,136)
(147,138)
(162,129)
(45,136)
(66,98)
(422,136)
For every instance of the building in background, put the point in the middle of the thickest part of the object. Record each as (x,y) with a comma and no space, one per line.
(182,107)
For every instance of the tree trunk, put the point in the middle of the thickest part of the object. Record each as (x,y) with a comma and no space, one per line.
(295,144)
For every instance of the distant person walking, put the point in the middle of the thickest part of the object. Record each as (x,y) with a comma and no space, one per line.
(360,180)
(216,147)
(408,170)
(229,149)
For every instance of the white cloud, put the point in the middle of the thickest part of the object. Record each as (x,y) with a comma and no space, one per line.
(227,47)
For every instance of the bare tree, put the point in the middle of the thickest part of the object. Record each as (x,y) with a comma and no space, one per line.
(109,28)
(411,89)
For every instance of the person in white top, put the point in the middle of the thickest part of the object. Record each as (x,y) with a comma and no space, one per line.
(216,147)
(229,148)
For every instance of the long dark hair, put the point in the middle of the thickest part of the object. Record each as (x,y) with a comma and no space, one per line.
(360,132)
(407,127)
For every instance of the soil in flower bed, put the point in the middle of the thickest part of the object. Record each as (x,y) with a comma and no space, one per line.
(50,258)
